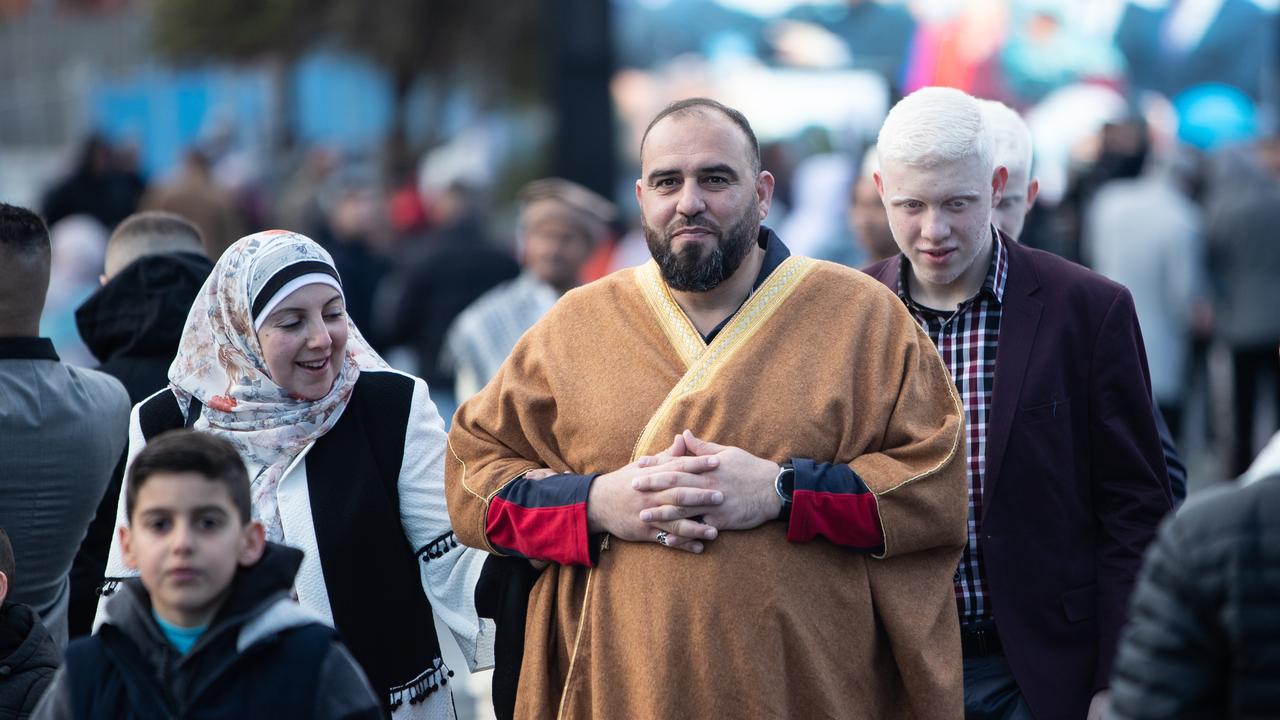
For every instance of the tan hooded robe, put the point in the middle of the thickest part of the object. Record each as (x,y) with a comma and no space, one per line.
(822,362)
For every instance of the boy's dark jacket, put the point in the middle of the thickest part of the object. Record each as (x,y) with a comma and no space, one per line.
(262,656)
(28,659)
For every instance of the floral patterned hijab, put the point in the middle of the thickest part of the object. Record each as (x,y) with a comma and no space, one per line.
(220,363)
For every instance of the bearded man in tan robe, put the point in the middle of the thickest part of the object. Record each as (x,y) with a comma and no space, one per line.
(744,467)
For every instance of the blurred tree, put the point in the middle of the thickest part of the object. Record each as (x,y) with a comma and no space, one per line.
(490,45)
(273,32)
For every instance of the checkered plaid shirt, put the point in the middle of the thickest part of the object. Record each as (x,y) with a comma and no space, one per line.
(966,339)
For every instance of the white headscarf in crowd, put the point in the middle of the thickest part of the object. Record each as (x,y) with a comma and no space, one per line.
(220,361)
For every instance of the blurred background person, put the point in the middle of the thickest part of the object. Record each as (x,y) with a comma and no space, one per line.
(1011,145)
(1244,264)
(193,194)
(561,223)
(352,231)
(1147,234)
(441,273)
(96,186)
(155,264)
(306,190)
(78,243)
(867,215)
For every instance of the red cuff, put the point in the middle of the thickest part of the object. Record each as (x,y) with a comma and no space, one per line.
(851,520)
(544,519)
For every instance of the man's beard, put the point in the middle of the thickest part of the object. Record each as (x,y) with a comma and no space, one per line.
(689,271)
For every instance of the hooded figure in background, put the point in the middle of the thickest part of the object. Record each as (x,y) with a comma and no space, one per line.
(154,267)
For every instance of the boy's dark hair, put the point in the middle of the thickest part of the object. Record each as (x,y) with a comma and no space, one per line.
(7,565)
(697,104)
(179,451)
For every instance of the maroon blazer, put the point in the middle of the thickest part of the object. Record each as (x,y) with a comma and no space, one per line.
(1075,483)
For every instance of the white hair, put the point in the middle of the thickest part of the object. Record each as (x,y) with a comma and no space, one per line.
(1010,137)
(935,125)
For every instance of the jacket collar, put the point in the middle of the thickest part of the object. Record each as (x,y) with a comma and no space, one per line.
(27,348)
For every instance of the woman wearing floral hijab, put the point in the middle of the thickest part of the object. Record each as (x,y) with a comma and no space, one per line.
(345,456)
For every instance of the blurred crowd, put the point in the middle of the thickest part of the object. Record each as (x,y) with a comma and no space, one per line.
(1182,227)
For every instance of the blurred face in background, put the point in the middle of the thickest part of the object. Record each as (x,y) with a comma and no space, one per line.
(556,245)
(1019,196)
(870,222)
(701,199)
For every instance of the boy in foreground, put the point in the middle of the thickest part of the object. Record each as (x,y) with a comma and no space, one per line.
(209,629)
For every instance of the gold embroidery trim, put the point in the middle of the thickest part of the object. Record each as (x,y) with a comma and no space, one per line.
(684,337)
(744,325)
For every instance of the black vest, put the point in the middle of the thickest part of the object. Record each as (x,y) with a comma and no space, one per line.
(371,571)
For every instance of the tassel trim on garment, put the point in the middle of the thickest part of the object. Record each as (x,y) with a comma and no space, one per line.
(421,687)
(438,547)
(108,586)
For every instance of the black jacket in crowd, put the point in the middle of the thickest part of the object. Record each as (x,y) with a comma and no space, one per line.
(1204,633)
(263,655)
(28,659)
(132,325)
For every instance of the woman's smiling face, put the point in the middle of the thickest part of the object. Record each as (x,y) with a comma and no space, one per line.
(304,340)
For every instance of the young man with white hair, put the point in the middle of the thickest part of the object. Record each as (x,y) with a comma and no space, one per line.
(1066,478)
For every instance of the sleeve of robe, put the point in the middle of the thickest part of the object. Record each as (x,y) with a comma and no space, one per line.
(916,479)
(488,433)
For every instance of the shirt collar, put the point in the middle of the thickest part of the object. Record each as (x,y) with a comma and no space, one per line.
(993,285)
(27,348)
(775,252)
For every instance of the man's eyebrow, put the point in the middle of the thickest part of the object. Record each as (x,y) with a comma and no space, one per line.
(660,174)
(719,168)
(716,169)
(899,199)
